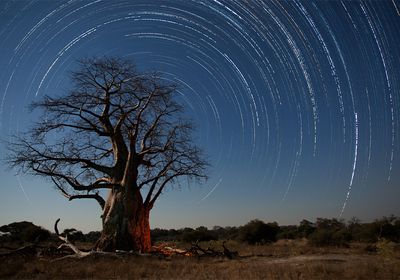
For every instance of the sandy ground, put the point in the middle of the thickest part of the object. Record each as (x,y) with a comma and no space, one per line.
(326,266)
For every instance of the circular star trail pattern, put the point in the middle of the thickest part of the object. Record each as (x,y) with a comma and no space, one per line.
(296,102)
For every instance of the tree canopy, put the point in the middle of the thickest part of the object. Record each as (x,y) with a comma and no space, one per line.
(116,127)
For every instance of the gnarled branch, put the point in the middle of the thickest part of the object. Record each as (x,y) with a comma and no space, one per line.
(67,243)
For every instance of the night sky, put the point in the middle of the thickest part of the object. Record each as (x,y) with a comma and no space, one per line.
(296,102)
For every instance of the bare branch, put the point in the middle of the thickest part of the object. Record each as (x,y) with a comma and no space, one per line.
(67,243)
(116,128)
(70,197)
(95,196)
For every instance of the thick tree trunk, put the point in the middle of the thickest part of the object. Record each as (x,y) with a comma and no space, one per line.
(125,223)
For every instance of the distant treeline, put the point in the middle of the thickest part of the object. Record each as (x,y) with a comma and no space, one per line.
(322,232)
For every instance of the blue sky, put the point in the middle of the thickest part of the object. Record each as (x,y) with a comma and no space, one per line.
(296,102)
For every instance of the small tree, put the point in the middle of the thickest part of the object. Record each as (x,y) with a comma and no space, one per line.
(117,129)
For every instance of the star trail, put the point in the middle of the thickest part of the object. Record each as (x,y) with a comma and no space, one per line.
(296,102)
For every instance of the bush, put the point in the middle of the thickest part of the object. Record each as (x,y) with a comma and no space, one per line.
(158,234)
(257,231)
(305,228)
(74,235)
(35,234)
(24,232)
(288,232)
(386,227)
(330,232)
(320,237)
(200,234)
(386,248)
(225,233)
(92,236)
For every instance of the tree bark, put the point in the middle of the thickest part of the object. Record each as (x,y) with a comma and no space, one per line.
(125,222)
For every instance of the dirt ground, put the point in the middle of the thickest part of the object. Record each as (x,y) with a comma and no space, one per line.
(277,261)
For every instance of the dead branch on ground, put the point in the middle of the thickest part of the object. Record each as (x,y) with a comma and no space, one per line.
(198,251)
(67,243)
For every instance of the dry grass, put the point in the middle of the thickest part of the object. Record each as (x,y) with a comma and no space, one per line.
(282,260)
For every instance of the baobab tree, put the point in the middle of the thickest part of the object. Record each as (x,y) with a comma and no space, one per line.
(116,129)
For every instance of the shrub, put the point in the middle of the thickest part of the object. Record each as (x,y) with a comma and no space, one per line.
(158,234)
(288,232)
(24,232)
(225,233)
(385,248)
(92,236)
(200,234)
(257,231)
(330,232)
(305,228)
(73,234)
(321,237)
